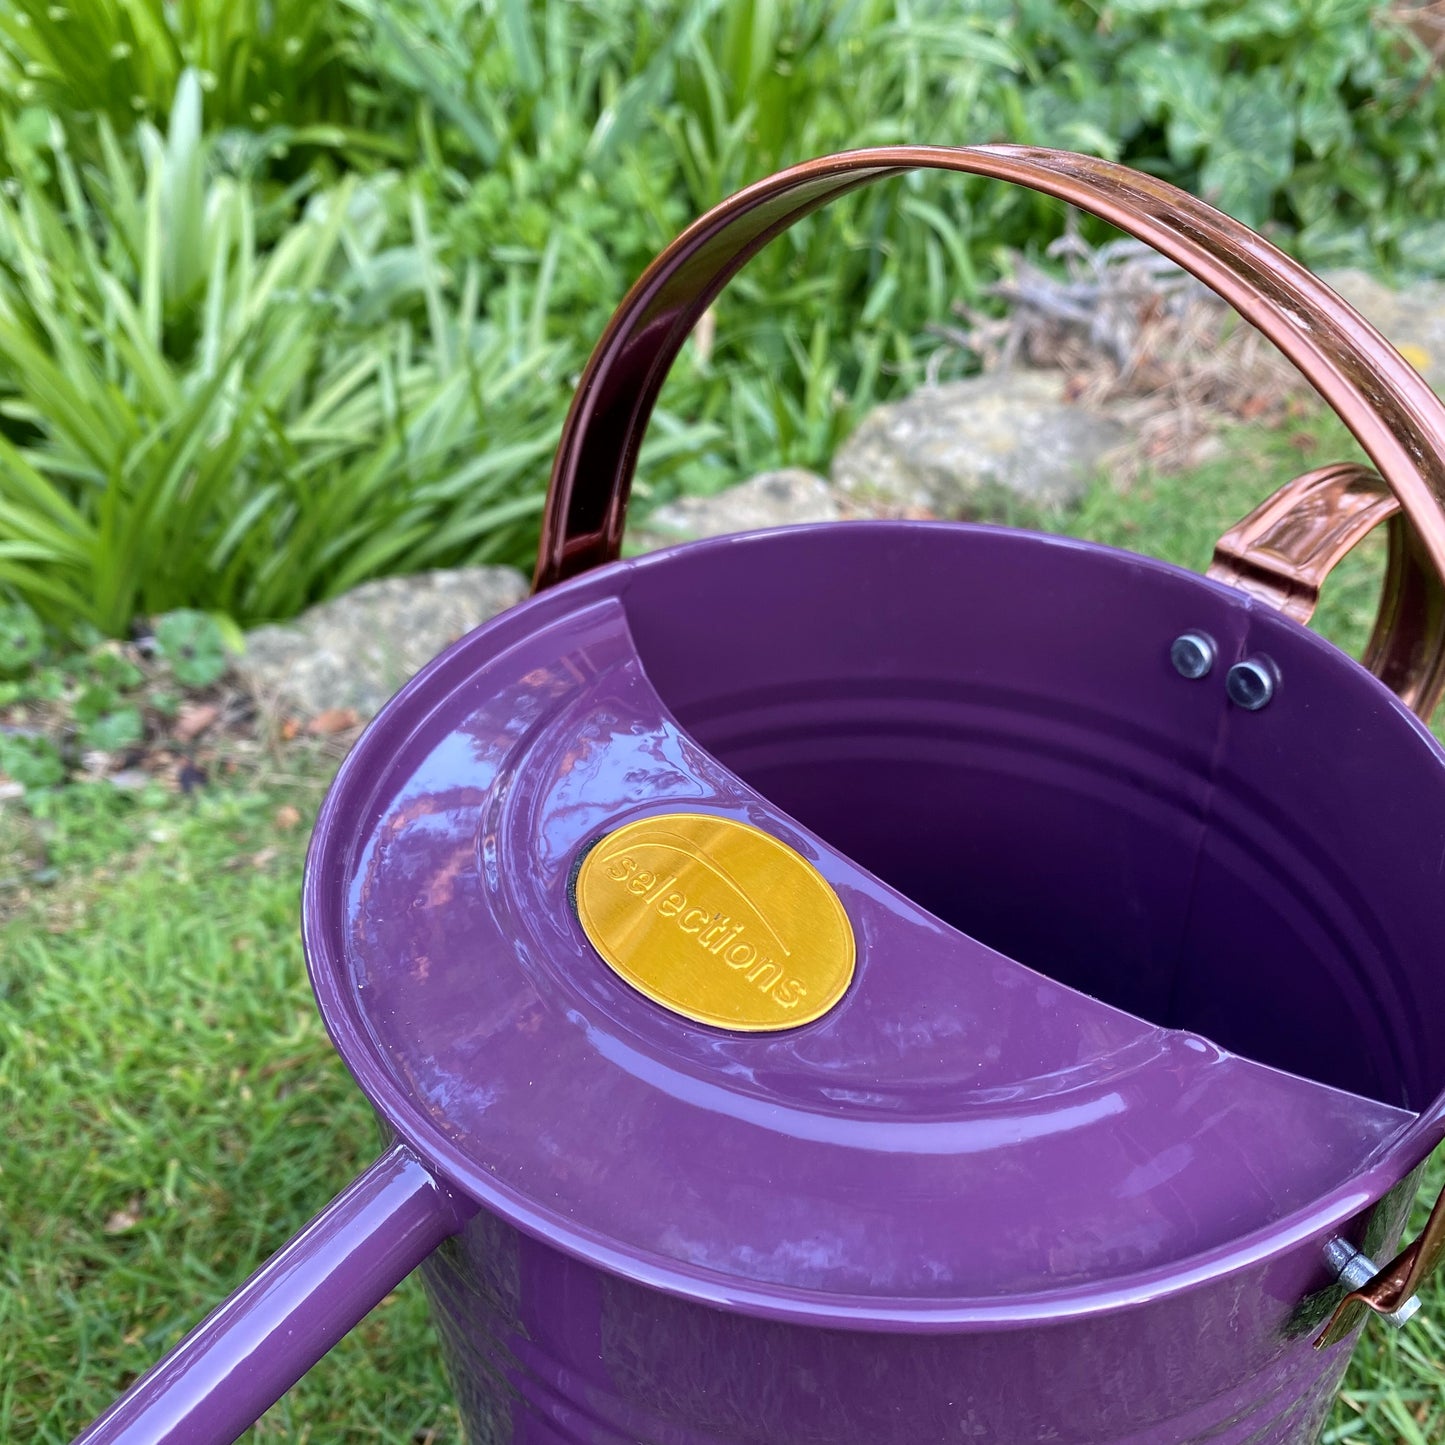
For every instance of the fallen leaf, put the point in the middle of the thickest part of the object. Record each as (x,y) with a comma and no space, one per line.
(129,780)
(193,719)
(333,720)
(124,1219)
(289,728)
(287,817)
(263,858)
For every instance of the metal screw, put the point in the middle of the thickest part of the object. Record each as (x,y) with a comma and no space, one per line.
(1251,683)
(1356,1270)
(1192,654)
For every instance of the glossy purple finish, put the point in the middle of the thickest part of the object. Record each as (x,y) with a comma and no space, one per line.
(544,1349)
(963,1083)
(689,1235)
(250,1351)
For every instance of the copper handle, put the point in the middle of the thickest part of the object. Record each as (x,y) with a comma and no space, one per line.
(1382,399)
(1282,552)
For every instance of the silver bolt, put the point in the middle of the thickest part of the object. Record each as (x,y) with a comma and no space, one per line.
(1356,1270)
(1251,683)
(1192,654)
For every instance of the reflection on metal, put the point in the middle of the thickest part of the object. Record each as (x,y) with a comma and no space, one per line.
(717,921)
(1356,1269)
(1283,551)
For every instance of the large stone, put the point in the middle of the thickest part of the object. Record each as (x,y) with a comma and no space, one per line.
(986,448)
(356,650)
(1413,319)
(772,499)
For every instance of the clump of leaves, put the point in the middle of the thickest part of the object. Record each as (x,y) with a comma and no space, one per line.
(22,638)
(30,759)
(193,644)
(259,60)
(194,418)
(96,707)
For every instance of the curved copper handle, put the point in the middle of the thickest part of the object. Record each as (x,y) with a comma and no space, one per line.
(1282,552)
(1385,402)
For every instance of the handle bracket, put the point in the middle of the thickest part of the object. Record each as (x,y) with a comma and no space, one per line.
(1282,552)
(1389,1292)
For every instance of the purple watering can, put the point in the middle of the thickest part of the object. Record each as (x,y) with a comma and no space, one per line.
(891,983)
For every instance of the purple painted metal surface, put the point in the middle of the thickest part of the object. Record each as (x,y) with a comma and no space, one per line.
(250,1351)
(543,1349)
(836,1160)
(939,1157)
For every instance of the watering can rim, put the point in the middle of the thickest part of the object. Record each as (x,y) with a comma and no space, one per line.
(352,793)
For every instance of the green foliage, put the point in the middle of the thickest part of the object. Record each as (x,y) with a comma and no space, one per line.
(260,61)
(22,637)
(594,132)
(1321,116)
(166,1072)
(98,699)
(30,759)
(231,383)
(195,417)
(193,645)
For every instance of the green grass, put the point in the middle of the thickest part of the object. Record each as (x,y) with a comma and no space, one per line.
(175,1110)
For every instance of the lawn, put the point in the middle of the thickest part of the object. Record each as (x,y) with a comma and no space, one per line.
(177,1110)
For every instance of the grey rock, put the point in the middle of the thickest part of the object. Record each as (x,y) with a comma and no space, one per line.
(980,448)
(1413,319)
(771,499)
(356,650)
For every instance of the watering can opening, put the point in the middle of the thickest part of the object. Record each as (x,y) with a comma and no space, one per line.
(1030,767)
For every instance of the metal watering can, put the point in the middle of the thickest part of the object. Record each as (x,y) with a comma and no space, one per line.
(890,982)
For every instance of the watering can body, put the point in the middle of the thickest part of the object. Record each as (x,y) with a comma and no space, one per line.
(1104,1015)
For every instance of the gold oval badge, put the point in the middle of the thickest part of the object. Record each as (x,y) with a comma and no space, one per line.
(716,920)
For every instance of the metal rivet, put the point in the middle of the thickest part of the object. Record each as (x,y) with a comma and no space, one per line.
(1251,683)
(1192,654)
(1355,1270)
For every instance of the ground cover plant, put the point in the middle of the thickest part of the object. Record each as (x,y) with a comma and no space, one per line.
(293,299)
(177,1110)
